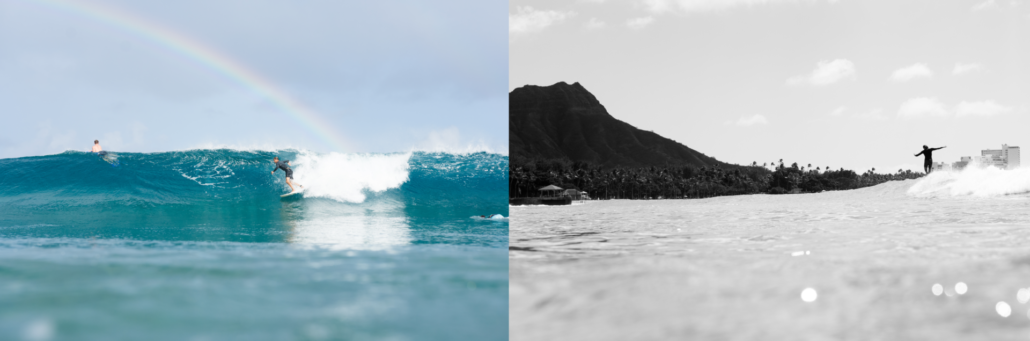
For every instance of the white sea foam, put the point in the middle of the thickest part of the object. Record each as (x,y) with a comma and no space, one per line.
(461,150)
(973,182)
(450,141)
(346,177)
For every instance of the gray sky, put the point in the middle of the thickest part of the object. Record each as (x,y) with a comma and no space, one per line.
(382,76)
(847,83)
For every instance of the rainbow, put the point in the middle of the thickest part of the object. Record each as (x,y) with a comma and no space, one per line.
(207,57)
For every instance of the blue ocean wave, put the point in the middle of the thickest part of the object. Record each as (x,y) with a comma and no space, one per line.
(231,195)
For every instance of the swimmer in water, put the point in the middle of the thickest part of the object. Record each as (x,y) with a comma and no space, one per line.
(96,146)
(928,158)
(285,166)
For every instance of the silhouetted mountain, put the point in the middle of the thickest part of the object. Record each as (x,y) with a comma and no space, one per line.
(566,121)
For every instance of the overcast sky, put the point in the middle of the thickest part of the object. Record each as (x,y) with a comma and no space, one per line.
(847,83)
(382,76)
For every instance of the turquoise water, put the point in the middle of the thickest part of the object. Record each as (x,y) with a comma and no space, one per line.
(198,245)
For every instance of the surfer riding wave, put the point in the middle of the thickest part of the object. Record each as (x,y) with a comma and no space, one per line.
(927,154)
(285,166)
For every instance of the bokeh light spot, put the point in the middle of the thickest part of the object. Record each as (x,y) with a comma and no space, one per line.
(809,295)
(1003,309)
(961,288)
(39,330)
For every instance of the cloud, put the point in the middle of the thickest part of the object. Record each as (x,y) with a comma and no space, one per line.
(875,115)
(688,6)
(839,111)
(961,69)
(529,20)
(638,23)
(911,72)
(922,107)
(594,24)
(749,121)
(826,73)
(982,108)
(931,107)
(139,131)
(984,5)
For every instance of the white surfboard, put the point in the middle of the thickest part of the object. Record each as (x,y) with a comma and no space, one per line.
(292,193)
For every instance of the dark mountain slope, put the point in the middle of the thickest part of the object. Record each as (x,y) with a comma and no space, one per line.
(565,121)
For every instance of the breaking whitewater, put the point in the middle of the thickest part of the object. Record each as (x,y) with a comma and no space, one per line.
(944,257)
(199,245)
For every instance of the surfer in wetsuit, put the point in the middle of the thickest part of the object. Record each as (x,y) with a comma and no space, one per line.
(285,166)
(928,157)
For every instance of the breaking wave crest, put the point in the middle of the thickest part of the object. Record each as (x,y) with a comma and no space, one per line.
(227,194)
(973,182)
(346,177)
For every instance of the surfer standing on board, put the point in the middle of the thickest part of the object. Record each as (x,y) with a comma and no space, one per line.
(928,158)
(96,146)
(285,166)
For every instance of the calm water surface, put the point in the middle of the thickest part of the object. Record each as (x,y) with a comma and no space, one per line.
(736,267)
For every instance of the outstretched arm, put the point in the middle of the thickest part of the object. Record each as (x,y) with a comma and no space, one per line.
(920,153)
(940,148)
(275,169)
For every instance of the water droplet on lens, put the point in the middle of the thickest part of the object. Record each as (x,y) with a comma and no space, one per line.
(809,295)
(1003,309)
(1023,295)
(961,288)
(42,329)
(937,289)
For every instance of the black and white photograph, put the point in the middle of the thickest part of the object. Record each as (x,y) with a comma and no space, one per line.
(769,170)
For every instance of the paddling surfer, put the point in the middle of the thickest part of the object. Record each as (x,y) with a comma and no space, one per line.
(96,146)
(285,166)
(928,158)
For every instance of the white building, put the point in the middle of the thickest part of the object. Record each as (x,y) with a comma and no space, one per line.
(1005,158)
(1012,154)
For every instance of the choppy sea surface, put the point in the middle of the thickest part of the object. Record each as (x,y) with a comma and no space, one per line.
(944,257)
(198,245)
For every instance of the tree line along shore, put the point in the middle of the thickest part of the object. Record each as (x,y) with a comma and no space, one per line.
(526,175)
